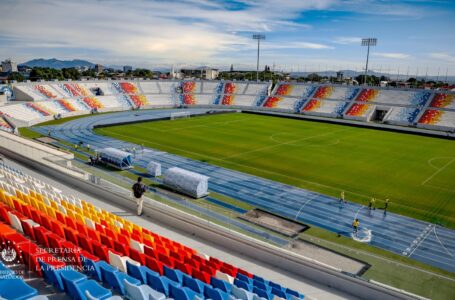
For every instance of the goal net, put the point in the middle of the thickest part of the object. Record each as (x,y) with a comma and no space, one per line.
(180,115)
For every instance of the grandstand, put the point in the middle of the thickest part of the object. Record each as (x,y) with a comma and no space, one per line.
(127,254)
(423,109)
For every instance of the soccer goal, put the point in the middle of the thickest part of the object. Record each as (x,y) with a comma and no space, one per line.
(180,115)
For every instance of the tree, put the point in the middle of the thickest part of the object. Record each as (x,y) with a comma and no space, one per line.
(16,76)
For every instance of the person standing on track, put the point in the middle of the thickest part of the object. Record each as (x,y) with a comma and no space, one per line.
(138,191)
(371,205)
(386,204)
(355,226)
(342,197)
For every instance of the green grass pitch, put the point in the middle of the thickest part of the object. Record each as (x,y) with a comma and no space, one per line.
(416,173)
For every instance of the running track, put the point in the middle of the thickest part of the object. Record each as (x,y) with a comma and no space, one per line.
(425,242)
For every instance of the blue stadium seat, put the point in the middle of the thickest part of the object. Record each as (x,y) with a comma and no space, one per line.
(215,294)
(261,285)
(260,279)
(115,278)
(141,292)
(182,293)
(77,290)
(244,278)
(160,283)
(54,277)
(275,286)
(91,268)
(139,272)
(279,293)
(194,284)
(262,293)
(242,294)
(221,284)
(242,284)
(294,293)
(16,289)
(173,274)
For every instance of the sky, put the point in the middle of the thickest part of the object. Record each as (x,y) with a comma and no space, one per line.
(414,36)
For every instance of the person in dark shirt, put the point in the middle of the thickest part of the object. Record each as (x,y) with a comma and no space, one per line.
(138,192)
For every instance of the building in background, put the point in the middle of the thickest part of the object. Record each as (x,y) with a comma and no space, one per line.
(201,72)
(99,68)
(9,66)
(127,69)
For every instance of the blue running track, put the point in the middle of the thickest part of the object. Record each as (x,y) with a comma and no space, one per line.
(425,242)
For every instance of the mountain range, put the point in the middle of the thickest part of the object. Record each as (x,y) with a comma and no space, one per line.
(57,64)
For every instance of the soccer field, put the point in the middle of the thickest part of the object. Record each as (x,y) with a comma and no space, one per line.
(416,173)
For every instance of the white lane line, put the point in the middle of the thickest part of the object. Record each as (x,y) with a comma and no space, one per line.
(438,171)
(418,241)
(447,250)
(300,210)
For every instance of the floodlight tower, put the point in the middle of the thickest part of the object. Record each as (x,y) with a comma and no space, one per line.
(368,42)
(258,37)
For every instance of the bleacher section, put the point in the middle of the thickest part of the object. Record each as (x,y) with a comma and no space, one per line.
(90,253)
(401,107)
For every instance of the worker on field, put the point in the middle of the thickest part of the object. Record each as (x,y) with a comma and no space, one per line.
(386,204)
(88,147)
(355,226)
(342,197)
(76,146)
(371,205)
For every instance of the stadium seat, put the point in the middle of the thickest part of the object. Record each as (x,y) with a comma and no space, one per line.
(215,294)
(91,297)
(160,283)
(173,274)
(91,266)
(139,272)
(182,293)
(115,279)
(77,290)
(53,275)
(242,294)
(153,264)
(194,284)
(278,293)
(294,293)
(142,292)
(262,293)
(242,284)
(16,289)
(224,276)
(119,261)
(221,284)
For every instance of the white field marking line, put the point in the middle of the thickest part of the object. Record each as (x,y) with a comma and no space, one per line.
(272,137)
(430,161)
(280,144)
(265,171)
(447,250)
(438,171)
(426,233)
(300,210)
(440,188)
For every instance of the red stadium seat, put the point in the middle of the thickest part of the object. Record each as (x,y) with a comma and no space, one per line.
(153,264)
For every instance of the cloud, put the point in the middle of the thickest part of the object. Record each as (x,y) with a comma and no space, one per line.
(346,40)
(392,55)
(443,56)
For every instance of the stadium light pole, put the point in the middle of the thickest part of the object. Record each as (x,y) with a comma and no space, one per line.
(258,37)
(369,42)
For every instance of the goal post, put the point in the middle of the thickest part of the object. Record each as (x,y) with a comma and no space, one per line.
(180,115)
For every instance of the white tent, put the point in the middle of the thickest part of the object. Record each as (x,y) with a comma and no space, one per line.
(186,182)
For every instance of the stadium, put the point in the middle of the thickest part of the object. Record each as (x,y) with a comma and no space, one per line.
(248,189)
